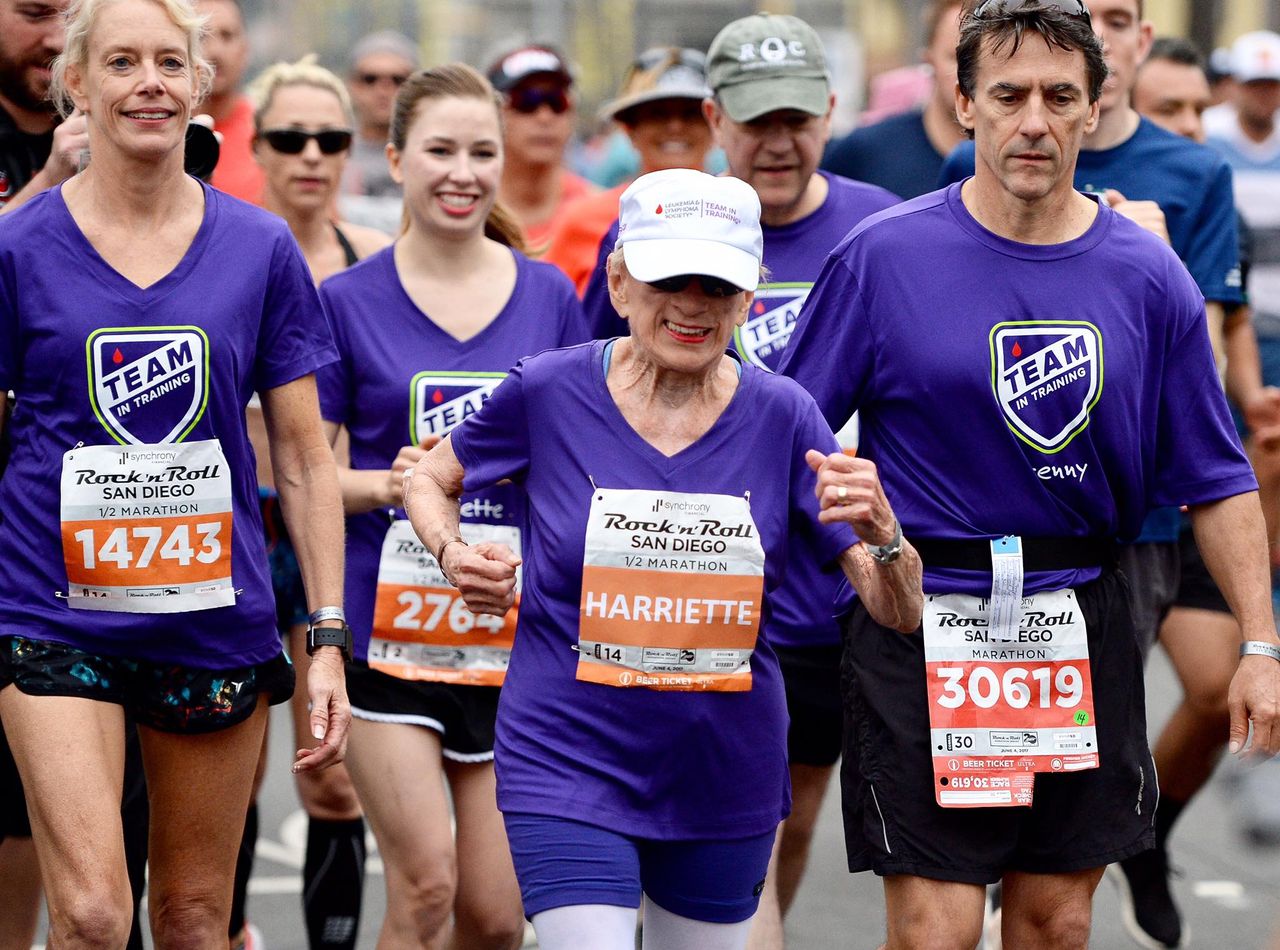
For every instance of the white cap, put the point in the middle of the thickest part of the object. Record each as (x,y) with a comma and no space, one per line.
(1256,56)
(682,221)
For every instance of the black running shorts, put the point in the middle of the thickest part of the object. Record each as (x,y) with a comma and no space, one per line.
(1078,820)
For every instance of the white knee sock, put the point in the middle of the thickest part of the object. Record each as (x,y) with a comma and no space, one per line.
(586,927)
(664,930)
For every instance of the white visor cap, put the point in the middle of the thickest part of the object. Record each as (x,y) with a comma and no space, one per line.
(682,221)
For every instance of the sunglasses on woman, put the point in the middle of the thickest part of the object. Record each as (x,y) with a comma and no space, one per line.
(293,141)
(530,100)
(711,286)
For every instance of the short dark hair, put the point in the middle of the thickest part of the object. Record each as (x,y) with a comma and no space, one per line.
(1001,28)
(1174,49)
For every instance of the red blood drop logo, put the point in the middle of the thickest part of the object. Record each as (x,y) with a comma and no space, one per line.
(117,357)
(1017,348)
(759,307)
(437,397)
(658,210)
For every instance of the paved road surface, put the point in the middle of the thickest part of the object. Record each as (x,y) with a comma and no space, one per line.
(1230,891)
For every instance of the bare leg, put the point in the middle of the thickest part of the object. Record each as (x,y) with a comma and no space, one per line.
(1048,911)
(937,915)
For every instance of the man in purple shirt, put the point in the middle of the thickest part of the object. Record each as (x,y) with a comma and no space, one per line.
(969,328)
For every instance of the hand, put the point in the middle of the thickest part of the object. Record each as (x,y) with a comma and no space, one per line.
(1262,416)
(207,121)
(849,491)
(70,141)
(1254,699)
(402,468)
(330,711)
(1146,214)
(485,575)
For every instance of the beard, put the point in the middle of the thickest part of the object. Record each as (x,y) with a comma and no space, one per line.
(21,87)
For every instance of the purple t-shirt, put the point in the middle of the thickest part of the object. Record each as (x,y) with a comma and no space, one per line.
(401,378)
(238,314)
(976,365)
(793,253)
(655,764)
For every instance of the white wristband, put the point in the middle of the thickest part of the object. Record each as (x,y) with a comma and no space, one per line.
(1260,648)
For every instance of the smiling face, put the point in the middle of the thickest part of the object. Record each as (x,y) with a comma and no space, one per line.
(776,154)
(308,180)
(687,331)
(31,34)
(1029,114)
(450,165)
(138,83)
(669,133)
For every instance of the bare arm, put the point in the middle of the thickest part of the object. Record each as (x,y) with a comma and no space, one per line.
(849,491)
(69,140)
(1233,543)
(485,574)
(364,489)
(312,506)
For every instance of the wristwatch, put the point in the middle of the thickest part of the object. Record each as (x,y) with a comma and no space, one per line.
(887,553)
(339,637)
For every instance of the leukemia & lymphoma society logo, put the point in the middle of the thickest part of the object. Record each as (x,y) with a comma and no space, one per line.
(1047,377)
(148,385)
(439,401)
(770,322)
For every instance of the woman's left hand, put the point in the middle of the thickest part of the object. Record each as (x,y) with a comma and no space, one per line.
(849,491)
(330,711)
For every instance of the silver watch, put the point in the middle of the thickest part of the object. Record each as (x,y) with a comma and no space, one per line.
(887,553)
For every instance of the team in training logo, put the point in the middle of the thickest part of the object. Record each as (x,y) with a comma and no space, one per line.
(439,401)
(148,385)
(1047,377)
(770,322)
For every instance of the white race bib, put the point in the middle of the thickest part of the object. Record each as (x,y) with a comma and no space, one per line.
(147,528)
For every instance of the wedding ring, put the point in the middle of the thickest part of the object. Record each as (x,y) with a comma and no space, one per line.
(842,493)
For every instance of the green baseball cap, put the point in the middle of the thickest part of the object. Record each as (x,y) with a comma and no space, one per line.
(766,62)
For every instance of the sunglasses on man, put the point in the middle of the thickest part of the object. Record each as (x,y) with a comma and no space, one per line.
(999,8)
(372,79)
(293,141)
(528,100)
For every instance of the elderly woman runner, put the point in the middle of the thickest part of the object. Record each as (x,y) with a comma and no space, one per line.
(641,737)
(139,309)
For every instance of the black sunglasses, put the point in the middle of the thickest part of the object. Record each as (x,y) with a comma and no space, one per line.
(530,100)
(1010,7)
(711,286)
(372,79)
(293,141)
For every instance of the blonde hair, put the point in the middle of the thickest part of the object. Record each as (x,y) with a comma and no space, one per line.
(305,72)
(452,81)
(82,16)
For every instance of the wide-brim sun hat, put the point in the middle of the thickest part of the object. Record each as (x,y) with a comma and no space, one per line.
(681,221)
(665,72)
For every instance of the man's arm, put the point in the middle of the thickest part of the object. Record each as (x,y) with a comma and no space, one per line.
(70,139)
(1233,543)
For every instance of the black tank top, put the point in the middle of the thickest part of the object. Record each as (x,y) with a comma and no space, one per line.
(347,249)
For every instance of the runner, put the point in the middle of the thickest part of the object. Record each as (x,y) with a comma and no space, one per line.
(660,109)
(969,328)
(641,741)
(426,330)
(302,120)
(144,590)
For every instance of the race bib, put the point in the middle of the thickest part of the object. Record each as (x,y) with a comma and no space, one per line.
(672,589)
(147,528)
(1003,708)
(422,629)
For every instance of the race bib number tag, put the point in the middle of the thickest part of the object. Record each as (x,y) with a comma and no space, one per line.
(672,588)
(422,629)
(1003,708)
(147,528)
